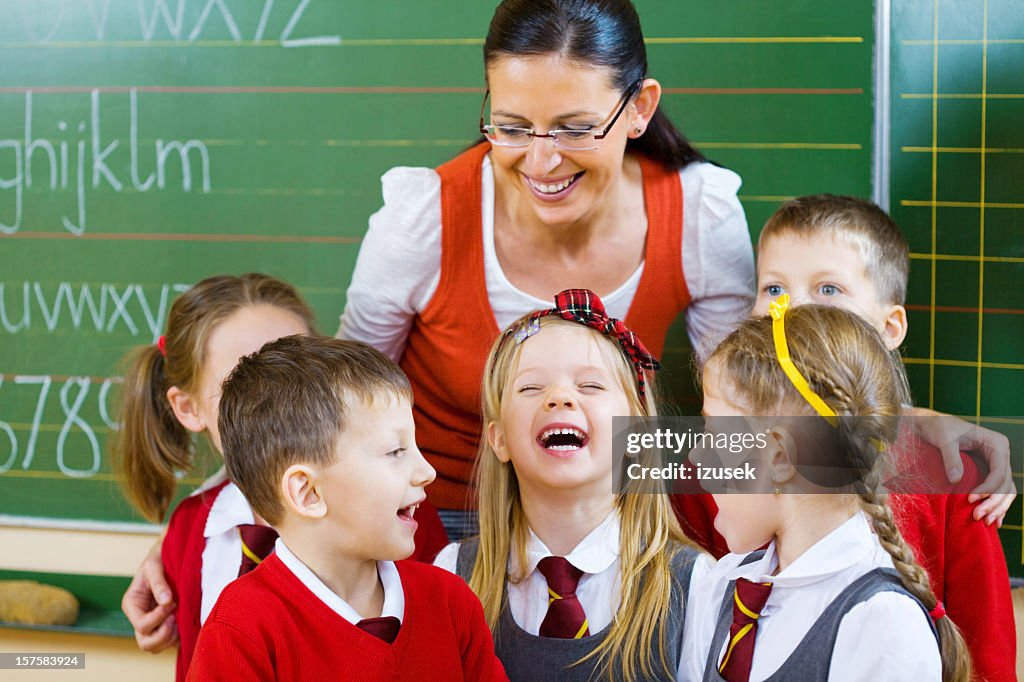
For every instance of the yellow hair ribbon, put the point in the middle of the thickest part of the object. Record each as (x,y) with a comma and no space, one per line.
(777,309)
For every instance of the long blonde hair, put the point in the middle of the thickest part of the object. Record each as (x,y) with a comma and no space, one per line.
(649,539)
(845,362)
(152,447)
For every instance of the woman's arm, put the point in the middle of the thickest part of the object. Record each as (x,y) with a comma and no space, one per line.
(149,604)
(718,259)
(399,262)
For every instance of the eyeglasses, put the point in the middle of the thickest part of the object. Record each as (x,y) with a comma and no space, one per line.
(564,138)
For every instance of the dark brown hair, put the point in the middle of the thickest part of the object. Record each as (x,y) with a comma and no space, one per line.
(857,221)
(152,447)
(288,404)
(604,33)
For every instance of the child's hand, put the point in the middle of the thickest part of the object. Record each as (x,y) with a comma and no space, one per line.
(951,435)
(149,605)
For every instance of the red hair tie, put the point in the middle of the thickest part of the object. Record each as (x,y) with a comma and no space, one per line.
(161,345)
(938,612)
(585,307)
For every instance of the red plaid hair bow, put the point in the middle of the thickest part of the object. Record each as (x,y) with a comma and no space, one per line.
(584,307)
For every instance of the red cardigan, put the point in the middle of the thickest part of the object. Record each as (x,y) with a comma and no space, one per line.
(267,625)
(963,557)
(182,554)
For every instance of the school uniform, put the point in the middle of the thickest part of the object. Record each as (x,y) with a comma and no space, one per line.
(202,553)
(963,557)
(529,656)
(967,568)
(835,612)
(281,622)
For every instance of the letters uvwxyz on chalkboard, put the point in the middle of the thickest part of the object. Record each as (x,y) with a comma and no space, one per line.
(107,308)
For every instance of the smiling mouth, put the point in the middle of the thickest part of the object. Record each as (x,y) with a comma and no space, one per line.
(407,513)
(553,188)
(563,439)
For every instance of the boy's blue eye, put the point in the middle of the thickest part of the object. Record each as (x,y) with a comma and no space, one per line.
(829,290)
(773,290)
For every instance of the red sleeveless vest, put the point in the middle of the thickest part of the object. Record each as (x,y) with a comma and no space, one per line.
(450,339)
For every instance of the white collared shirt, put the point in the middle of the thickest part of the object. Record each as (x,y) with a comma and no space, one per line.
(222,554)
(886,637)
(599,591)
(394,594)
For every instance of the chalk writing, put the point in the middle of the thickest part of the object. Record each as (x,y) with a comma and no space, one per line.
(96,160)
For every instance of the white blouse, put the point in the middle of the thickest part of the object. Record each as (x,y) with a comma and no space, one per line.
(398,268)
(599,590)
(597,555)
(886,637)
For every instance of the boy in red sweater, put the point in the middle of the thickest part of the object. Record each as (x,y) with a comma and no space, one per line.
(847,252)
(318,434)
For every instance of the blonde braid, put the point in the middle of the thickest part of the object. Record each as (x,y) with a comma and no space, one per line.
(956,661)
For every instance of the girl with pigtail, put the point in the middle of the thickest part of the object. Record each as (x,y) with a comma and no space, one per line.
(171,393)
(837,594)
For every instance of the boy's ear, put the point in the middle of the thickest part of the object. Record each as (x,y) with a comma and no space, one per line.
(186,409)
(782,455)
(895,327)
(496,439)
(646,104)
(298,487)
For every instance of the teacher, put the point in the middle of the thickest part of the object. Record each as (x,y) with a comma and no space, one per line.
(582,182)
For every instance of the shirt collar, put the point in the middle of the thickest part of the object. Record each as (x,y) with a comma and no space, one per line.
(229,510)
(594,554)
(845,546)
(394,595)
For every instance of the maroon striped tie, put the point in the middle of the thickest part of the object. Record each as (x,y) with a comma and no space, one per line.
(257,544)
(748,600)
(565,618)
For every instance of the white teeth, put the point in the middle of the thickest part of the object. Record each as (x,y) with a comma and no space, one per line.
(552,189)
(567,431)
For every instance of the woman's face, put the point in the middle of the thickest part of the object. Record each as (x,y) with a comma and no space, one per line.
(546,92)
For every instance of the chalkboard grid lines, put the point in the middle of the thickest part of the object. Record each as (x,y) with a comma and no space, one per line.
(962,87)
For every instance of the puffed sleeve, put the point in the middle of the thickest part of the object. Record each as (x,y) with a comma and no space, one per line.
(718,258)
(399,262)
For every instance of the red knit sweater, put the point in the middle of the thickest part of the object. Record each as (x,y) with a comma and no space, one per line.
(267,625)
(182,554)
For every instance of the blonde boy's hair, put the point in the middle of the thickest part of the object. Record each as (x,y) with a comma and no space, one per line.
(845,362)
(650,534)
(861,223)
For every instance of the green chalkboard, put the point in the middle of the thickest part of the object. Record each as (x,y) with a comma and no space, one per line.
(145,145)
(958,194)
